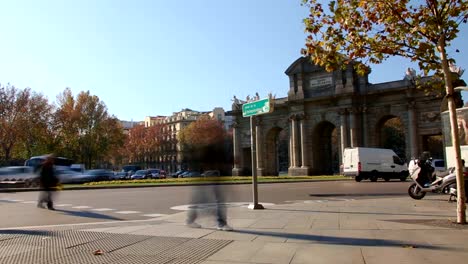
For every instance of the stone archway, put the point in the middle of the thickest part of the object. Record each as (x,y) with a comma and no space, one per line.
(390,133)
(276,151)
(326,150)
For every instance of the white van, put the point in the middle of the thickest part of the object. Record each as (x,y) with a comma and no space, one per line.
(373,163)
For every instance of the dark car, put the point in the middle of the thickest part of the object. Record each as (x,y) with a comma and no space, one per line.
(141,174)
(130,169)
(157,173)
(189,174)
(177,173)
(99,174)
(119,176)
(211,173)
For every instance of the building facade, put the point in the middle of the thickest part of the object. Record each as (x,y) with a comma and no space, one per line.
(171,156)
(326,112)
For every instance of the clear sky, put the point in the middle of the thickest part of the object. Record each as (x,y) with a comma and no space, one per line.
(155,57)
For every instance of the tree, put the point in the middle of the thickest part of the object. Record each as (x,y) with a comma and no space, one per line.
(134,144)
(374,30)
(37,118)
(65,127)
(203,143)
(13,106)
(84,130)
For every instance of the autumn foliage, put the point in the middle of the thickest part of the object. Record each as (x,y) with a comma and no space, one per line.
(203,144)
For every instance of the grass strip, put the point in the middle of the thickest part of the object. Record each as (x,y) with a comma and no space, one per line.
(206,180)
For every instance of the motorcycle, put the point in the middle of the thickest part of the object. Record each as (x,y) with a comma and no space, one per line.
(441,184)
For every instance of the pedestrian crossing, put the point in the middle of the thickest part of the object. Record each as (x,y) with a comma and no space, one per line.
(88,208)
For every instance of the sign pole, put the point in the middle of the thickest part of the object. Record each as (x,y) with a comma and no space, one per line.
(253,132)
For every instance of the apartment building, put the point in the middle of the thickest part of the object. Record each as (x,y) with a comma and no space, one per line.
(172,158)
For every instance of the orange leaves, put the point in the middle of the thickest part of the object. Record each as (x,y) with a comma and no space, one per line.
(203,132)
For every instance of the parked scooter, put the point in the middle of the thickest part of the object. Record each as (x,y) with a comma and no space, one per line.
(419,188)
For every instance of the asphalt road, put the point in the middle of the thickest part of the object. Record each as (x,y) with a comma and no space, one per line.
(88,206)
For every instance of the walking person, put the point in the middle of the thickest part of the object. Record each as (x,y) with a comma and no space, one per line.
(48,182)
(213,196)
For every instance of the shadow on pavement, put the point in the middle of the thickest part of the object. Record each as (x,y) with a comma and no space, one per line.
(87,214)
(348,241)
(350,212)
(26,232)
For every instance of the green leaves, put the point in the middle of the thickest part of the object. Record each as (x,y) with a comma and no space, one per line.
(370,31)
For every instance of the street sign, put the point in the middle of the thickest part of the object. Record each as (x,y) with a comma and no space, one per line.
(259,107)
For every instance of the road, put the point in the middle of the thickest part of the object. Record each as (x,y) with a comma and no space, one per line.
(88,206)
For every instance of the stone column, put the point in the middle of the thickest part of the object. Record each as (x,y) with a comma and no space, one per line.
(343,129)
(365,139)
(295,142)
(236,171)
(352,128)
(413,127)
(291,152)
(305,160)
(259,143)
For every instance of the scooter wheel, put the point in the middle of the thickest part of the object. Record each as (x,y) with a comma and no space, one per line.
(415,192)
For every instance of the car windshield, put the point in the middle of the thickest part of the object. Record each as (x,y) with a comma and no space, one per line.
(140,172)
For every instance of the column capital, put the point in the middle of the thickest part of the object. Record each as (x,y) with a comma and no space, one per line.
(297,116)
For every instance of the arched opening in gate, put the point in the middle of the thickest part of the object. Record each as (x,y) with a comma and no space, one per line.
(391,135)
(326,149)
(276,152)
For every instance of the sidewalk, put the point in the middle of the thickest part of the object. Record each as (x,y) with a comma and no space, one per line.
(366,230)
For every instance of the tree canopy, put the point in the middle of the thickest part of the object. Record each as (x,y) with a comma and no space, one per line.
(371,31)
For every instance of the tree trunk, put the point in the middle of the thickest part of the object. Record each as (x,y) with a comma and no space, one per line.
(461,206)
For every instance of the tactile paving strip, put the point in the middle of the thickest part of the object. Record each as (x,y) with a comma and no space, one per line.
(109,244)
(20,254)
(60,239)
(196,249)
(73,246)
(152,246)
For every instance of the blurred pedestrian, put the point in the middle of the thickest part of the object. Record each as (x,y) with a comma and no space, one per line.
(211,195)
(48,182)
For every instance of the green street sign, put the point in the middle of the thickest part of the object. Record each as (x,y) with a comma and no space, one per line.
(259,107)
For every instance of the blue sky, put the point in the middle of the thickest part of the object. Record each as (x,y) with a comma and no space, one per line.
(155,57)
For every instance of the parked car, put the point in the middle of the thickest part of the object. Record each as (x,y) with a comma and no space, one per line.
(177,173)
(189,174)
(141,174)
(99,174)
(67,176)
(157,173)
(120,176)
(211,173)
(130,169)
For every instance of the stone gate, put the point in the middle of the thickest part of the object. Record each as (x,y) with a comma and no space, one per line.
(326,112)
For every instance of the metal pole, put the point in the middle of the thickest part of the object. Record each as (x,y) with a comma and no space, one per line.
(255,204)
